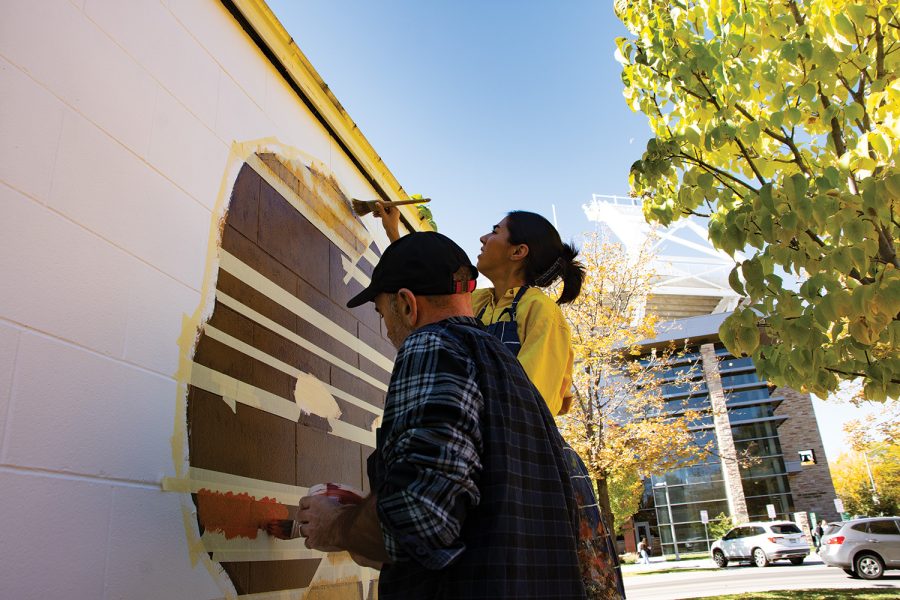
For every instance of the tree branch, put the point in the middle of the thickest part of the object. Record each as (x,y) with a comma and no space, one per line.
(713,169)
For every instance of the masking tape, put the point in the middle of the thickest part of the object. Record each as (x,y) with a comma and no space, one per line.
(352,433)
(234,390)
(252,555)
(337,568)
(264,547)
(218,481)
(240,154)
(354,400)
(277,294)
(353,272)
(311,177)
(259,355)
(311,215)
(287,334)
(295,594)
(311,403)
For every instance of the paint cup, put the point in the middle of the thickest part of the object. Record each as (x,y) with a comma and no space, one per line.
(339,492)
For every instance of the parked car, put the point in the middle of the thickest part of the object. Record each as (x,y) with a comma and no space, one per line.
(761,543)
(863,547)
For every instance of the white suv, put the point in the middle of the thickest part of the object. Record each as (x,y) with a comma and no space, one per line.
(863,547)
(761,543)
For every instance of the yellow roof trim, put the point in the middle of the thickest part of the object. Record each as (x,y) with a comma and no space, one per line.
(315,91)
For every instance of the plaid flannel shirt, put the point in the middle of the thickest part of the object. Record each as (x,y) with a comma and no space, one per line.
(469,472)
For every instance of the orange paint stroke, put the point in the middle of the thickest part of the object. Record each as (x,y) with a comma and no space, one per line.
(237,514)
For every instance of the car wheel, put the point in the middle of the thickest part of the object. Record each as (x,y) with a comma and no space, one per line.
(851,573)
(797,561)
(720,559)
(869,566)
(759,558)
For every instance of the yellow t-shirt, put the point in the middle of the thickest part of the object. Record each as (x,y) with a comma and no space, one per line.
(546,352)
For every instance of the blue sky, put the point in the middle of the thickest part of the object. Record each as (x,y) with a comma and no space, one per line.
(489,106)
(483,106)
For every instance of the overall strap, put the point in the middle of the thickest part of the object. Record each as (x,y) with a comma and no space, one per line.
(515,303)
(510,310)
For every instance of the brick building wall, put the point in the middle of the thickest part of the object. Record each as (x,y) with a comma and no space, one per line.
(811,487)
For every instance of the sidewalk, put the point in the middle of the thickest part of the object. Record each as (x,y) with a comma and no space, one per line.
(661,564)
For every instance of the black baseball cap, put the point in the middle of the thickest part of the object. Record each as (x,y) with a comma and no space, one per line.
(426,262)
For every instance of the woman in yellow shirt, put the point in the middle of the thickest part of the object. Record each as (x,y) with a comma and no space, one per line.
(522,253)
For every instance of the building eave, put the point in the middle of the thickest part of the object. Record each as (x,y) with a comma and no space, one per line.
(279,47)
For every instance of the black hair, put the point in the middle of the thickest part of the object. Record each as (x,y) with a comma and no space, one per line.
(548,257)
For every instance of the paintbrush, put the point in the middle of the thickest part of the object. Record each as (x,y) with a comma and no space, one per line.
(364,207)
(284,529)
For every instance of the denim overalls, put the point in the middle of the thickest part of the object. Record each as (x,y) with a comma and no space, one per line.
(596,549)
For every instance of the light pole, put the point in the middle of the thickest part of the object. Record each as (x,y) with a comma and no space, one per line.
(665,487)
(865,454)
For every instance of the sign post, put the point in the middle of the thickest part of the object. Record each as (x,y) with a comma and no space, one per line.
(770,508)
(704,518)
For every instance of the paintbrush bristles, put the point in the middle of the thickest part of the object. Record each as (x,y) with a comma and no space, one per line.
(283,529)
(364,207)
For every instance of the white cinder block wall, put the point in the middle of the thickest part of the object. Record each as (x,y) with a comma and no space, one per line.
(116,122)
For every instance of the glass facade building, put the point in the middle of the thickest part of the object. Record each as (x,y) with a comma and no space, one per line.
(674,500)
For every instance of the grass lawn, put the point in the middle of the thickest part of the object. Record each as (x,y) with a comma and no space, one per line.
(859,594)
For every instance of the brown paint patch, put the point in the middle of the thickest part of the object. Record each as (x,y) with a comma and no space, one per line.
(265,231)
(236,515)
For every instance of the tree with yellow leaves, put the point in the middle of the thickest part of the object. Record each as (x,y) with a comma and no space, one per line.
(619,422)
(868,479)
(779,122)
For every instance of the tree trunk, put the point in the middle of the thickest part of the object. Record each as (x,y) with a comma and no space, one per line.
(603,502)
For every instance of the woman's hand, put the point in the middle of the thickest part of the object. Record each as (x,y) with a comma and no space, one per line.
(390,220)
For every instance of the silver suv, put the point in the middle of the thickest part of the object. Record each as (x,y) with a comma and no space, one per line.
(863,547)
(761,543)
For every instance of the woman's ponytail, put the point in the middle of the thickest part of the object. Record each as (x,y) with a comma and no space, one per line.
(572,273)
(548,257)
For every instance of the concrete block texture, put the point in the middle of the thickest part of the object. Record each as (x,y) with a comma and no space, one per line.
(74,411)
(181,65)
(147,550)
(61,279)
(294,121)
(57,45)
(238,117)
(123,199)
(229,45)
(157,305)
(9,345)
(118,121)
(55,533)
(186,151)
(28,151)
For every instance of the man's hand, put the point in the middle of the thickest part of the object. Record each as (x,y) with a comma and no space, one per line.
(332,527)
(321,523)
(390,220)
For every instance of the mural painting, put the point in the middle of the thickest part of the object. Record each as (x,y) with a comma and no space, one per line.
(282,386)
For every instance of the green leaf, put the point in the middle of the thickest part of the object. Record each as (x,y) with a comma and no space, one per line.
(844,27)
(880,143)
(734,280)
(857,14)
(766,72)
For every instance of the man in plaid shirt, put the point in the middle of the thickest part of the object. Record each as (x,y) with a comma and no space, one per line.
(470,497)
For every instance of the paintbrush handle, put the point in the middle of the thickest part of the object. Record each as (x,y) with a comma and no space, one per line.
(411,201)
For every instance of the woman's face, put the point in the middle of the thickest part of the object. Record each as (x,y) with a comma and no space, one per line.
(495,250)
